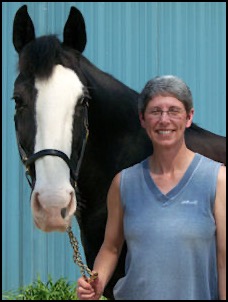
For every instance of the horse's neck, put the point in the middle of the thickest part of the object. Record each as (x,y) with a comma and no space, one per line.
(115,134)
(207,143)
(112,102)
(100,81)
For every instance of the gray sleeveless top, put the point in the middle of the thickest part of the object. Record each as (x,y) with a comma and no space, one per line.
(170,237)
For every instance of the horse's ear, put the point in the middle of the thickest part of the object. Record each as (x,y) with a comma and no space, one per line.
(74,34)
(23,29)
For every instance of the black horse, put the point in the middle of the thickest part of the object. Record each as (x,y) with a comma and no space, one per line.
(61,98)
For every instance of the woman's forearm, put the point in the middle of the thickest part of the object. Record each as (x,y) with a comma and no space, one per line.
(222,282)
(105,263)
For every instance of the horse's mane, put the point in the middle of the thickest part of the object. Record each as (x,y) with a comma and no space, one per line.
(39,57)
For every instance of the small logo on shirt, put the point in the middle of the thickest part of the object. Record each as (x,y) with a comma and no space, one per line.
(193,202)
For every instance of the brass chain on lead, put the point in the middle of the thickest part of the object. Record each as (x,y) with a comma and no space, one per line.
(78,259)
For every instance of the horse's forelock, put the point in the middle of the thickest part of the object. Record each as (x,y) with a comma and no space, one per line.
(39,56)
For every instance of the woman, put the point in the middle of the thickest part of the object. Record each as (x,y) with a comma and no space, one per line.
(170,209)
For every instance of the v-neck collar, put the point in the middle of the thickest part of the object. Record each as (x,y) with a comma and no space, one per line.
(175,190)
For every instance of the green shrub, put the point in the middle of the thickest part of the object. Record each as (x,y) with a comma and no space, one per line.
(38,290)
(59,290)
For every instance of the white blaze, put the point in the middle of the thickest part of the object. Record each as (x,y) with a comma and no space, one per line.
(54,109)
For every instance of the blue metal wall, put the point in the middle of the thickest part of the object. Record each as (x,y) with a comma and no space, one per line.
(133,42)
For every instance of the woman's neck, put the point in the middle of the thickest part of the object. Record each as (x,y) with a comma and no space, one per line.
(166,161)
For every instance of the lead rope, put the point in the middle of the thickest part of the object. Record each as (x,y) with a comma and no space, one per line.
(78,259)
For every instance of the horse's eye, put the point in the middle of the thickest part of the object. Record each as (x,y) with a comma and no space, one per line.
(83,101)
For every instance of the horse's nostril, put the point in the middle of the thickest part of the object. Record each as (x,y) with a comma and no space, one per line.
(37,205)
(63,212)
(69,210)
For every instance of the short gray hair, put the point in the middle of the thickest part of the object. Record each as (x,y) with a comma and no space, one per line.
(166,85)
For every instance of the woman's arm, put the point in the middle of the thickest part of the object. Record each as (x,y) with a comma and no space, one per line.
(107,258)
(220,218)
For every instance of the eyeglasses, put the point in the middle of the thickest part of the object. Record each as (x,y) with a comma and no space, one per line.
(173,113)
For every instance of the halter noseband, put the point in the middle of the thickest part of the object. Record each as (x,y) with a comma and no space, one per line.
(53,152)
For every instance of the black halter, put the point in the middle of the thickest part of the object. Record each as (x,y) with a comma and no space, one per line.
(53,152)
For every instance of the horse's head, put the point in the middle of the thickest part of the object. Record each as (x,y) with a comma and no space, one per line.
(51,104)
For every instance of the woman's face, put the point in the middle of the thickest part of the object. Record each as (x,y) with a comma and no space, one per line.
(165,120)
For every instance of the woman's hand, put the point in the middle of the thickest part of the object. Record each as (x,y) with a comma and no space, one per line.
(89,290)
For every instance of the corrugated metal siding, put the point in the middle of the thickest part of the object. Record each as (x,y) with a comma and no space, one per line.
(132,41)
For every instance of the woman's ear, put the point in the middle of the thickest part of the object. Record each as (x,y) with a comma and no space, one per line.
(141,118)
(189,118)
